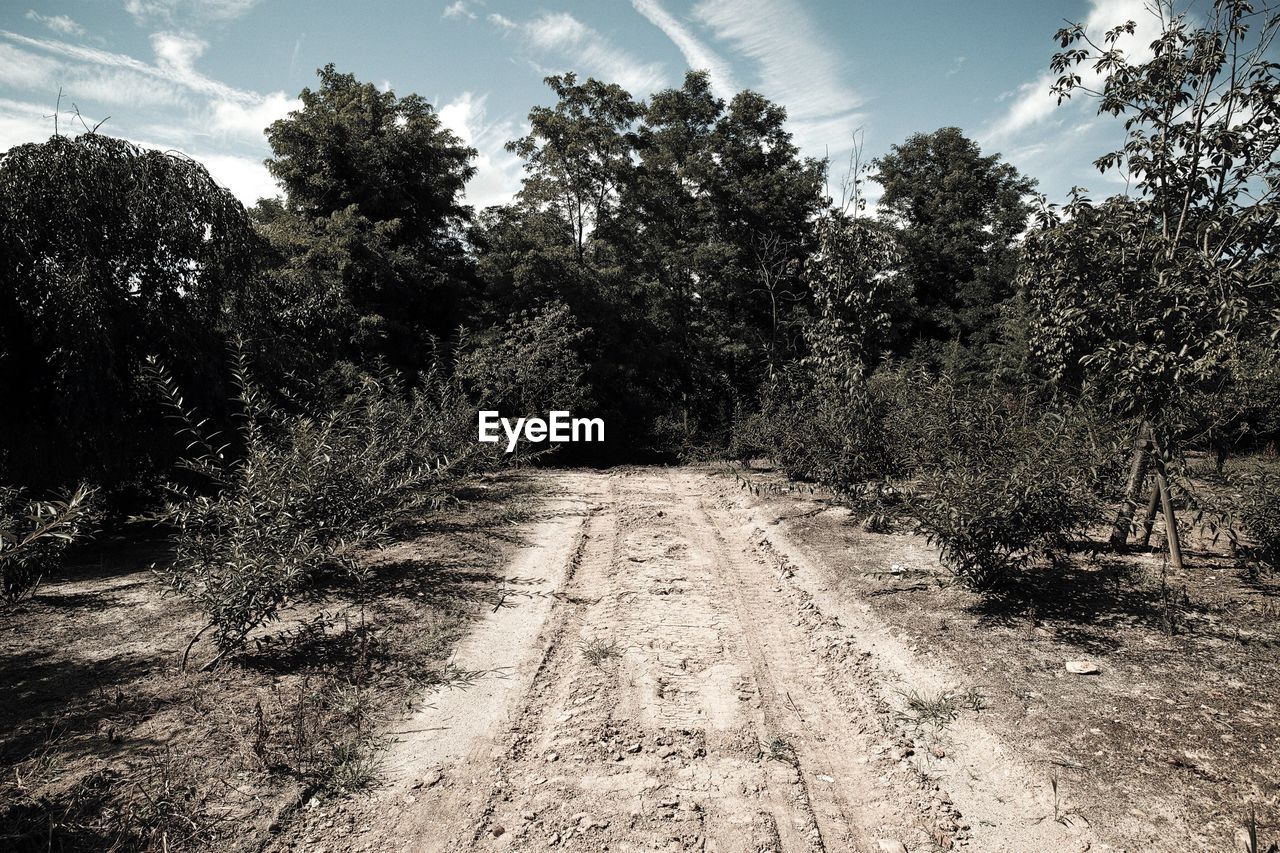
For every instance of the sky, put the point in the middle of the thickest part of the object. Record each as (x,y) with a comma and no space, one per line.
(205,77)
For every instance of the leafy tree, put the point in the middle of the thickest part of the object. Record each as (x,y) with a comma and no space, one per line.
(1145,299)
(108,253)
(578,154)
(674,231)
(957,213)
(371,263)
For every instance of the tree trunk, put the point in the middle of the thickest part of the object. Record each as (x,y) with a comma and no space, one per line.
(1149,520)
(1170,520)
(1133,488)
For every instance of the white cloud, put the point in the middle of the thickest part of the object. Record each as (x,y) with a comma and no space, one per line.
(1034,102)
(796,67)
(564,36)
(177,51)
(501,21)
(250,120)
(173,66)
(498,171)
(246,177)
(25,70)
(60,24)
(698,55)
(458,9)
(146,12)
(22,121)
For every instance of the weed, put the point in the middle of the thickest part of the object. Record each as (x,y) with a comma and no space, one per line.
(779,749)
(932,711)
(597,651)
(973,699)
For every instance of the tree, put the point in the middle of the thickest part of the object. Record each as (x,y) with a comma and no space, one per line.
(577,154)
(719,221)
(109,253)
(1146,299)
(371,263)
(957,214)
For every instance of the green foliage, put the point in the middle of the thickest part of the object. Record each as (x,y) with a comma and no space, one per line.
(308,494)
(1145,298)
(1007,480)
(835,437)
(853,293)
(527,366)
(1259,515)
(108,252)
(368,261)
(956,214)
(33,537)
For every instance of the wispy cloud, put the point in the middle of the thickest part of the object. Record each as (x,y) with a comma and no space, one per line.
(498,171)
(60,24)
(458,9)
(117,78)
(696,53)
(147,12)
(795,66)
(1033,102)
(562,35)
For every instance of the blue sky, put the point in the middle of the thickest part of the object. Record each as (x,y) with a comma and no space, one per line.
(206,76)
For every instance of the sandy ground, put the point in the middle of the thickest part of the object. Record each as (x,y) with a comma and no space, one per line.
(678,674)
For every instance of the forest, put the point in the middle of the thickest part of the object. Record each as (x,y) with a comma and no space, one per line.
(262,406)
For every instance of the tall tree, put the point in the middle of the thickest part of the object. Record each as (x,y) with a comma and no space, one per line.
(1149,299)
(957,213)
(371,256)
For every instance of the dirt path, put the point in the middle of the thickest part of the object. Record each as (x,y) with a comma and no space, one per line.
(675,677)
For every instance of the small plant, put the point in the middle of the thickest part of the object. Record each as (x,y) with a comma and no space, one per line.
(1249,838)
(779,749)
(303,498)
(932,711)
(877,522)
(33,537)
(1012,482)
(973,699)
(597,651)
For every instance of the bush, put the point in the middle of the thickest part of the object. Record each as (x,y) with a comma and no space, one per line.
(1008,481)
(305,494)
(835,437)
(33,537)
(527,366)
(1259,516)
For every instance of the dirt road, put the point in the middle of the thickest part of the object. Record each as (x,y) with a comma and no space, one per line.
(670,673)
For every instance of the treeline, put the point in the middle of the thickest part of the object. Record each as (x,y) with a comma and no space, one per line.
(677,267)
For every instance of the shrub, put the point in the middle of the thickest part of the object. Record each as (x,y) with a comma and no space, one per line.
(305,493)
(527,366)
(1259,515)
(1008,481)
(832,436)
(33,537)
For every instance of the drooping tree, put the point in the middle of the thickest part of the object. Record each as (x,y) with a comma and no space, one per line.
(110,253)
